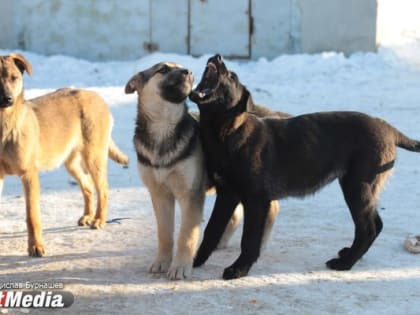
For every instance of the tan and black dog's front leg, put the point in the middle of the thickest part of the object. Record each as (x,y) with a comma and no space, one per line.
(189,234)
(164,208)
(30,182)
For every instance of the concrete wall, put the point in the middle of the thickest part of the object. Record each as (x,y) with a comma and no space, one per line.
(114,29)
(84,28)
(347,25)
(8,27)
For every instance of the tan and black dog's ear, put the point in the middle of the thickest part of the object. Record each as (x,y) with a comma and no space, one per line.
(21,63)
(134,84)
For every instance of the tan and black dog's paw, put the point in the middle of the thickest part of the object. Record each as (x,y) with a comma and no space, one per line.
(160,266)
(180,272)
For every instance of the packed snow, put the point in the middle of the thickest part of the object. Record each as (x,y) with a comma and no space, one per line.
(106,270)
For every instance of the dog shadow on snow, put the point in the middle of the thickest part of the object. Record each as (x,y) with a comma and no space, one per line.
(129,266)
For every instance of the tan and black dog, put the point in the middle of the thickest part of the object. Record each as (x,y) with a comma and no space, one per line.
(172,165)
(170,162)
(68,126)
(256,160)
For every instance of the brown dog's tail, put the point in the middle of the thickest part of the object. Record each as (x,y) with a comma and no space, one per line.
(405,142)
(116,154)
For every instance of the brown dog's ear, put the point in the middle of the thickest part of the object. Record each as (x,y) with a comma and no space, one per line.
(134,84)
(21,63)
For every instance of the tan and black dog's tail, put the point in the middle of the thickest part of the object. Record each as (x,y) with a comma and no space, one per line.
(116,154)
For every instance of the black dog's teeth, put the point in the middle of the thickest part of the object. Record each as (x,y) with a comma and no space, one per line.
(203,93)
(212,67)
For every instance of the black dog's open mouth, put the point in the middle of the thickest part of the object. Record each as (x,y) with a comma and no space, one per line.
(208,83)
(211,71)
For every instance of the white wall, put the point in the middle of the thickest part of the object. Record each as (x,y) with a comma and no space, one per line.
(398,21)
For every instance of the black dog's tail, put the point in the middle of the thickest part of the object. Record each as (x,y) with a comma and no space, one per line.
(405,142)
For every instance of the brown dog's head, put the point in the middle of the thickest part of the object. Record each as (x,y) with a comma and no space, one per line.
(169,81)
(11,81)
(218,87)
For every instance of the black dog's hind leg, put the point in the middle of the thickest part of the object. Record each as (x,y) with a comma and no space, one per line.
(224,206)
(255,215)
(361,198)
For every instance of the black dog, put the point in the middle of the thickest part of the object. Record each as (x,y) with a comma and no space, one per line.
(256,160)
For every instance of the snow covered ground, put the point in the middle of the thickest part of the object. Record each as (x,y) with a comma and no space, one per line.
(106,270)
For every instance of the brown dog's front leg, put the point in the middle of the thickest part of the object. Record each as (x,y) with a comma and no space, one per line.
(1,184)
(30,182)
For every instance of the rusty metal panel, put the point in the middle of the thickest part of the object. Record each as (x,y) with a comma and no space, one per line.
(169,26)
(338,25)
(272,27)
(88,29)
(220,26)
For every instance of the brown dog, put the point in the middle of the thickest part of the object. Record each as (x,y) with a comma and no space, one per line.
(68,126)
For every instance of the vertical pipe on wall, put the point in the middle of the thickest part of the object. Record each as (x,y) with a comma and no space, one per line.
(150,22)
(189,28)
(250,29)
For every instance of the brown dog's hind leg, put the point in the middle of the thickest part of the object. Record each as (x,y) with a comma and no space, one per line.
(1,184)
(98,171)
(30,182)
(75,166)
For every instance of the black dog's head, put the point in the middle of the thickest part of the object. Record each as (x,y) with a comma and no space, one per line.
(218,86)
(167,80)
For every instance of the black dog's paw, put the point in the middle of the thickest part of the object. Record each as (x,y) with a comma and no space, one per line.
(338,264)
(198,261)
(343,252)
(235,272)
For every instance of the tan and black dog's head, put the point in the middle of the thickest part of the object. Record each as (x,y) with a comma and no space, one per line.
(11,78)
(219,88)
(167,80)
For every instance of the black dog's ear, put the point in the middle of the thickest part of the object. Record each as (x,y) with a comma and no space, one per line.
(21,63)
(245,103)
(250,105)
(134,84)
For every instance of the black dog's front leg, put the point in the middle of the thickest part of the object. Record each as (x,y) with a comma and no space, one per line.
(224,206)
(255,214)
